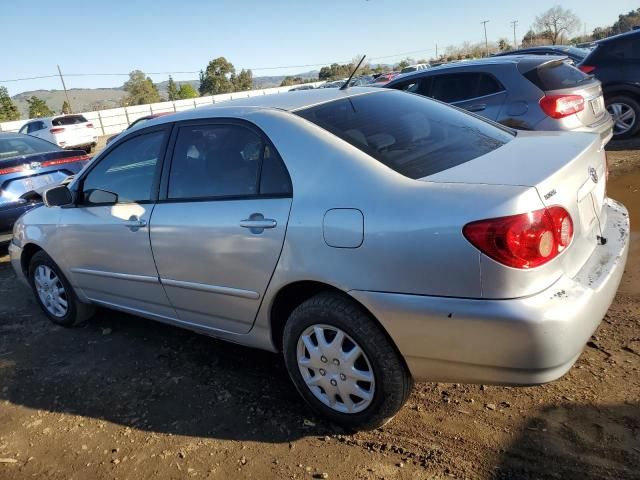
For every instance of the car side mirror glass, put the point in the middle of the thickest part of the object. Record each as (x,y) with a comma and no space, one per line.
(57,196)
(98,196)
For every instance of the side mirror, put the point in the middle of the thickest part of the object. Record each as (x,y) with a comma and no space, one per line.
(57,196)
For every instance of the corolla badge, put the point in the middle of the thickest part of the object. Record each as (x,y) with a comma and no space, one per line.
(35,165)
(593,174)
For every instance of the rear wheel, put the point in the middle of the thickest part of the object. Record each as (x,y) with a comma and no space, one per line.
(54,293)
(625,111)
(343,364)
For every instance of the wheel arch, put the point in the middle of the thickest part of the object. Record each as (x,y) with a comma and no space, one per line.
(28,251)
(622,89)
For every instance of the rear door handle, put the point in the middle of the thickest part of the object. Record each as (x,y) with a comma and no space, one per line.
(257,223)
(134,223)
(477,107)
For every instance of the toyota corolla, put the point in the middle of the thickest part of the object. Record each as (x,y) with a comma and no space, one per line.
(373,237)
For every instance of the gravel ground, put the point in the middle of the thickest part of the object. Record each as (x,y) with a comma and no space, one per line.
(124,397)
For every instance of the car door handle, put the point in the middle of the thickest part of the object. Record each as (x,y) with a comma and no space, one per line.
(478,107)
(264,223)
(134,223)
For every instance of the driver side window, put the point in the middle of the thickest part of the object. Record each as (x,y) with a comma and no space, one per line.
(126,173)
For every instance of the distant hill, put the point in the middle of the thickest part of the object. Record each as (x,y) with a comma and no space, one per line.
(86,99)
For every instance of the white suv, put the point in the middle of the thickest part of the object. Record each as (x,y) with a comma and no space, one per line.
(66,131)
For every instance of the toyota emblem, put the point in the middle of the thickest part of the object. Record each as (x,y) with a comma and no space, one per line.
(593,174)
(35,165)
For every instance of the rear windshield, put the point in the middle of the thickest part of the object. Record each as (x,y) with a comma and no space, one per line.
(579,52)
(556,75)
(408,133)
(15,146)
(68,120)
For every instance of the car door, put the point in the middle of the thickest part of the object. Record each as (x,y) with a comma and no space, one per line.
(106,235)
(476,92)
(218,230)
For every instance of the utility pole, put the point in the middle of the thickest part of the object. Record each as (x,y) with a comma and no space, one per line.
(515,43)
(437,51)
(64,87)
(486,42)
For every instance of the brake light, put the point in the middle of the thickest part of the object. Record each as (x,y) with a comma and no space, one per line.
(89,125)
(4,171)
(560,106)
(57,130)
(523,241)
(587,68)
(61,161)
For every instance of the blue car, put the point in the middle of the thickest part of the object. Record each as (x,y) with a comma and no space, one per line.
(29,164)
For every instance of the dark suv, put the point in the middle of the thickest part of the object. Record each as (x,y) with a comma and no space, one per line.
(528,92)
(616,63)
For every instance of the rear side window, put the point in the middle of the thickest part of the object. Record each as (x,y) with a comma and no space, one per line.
(68,120)
(218,160)
(24,145)
(415,85)
(410,134)
(556,75)
(456,87)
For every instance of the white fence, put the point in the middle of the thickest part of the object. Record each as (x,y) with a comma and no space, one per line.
(114,120)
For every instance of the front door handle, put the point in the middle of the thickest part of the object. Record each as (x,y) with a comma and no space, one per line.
(134,223)
(256,223)
(477,107)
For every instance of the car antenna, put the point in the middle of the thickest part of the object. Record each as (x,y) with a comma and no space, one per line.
(346,84)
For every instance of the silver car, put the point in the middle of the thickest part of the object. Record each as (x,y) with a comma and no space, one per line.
(372,236)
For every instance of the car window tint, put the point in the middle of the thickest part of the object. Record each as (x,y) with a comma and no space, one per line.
(68,120)
(215,161)
(556,75)
(24,145)
(414,85)
(274,178)
(456,87)
(625,50)
(127,170)
(488,85)
(410,134)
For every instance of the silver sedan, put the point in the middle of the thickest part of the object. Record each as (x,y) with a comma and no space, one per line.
(372,236)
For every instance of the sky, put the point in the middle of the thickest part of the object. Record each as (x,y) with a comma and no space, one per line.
(115,36)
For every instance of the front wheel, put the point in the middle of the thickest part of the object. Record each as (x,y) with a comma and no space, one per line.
(54,293)
(625,112)
(343,364)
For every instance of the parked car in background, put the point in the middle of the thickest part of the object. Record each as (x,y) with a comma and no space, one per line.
(333,84)
(301,87)
(384,78)
(575,54)
(372,236)
(527,92)
(27,164)
(415,68)
(66,131)
(615,61)
(139,121)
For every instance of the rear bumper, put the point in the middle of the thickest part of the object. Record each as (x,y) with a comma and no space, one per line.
(603,128)
(521,341)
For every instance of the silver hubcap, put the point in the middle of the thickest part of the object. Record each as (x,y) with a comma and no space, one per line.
(51,291)
(624,117)
(335,369)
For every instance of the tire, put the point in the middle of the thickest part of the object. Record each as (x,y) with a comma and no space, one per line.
(76,313)
(627,104)
(391,384)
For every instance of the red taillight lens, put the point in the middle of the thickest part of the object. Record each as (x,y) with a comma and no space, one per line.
(89,125)
(4,171)
(560,106)
(587,68)
(60,161)
(526,240)
(57,130)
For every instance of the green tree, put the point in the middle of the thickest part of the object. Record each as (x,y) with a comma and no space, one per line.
(8,109)
(335,71)
(402,64)
(504,45)
(172,90)
(66,108)
(141,89)
(186,91)
(216,78)
(243,81)
(288,81)
(556,22)
(626,22)
(38,108)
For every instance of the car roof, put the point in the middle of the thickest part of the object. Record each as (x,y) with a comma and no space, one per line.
(621,36)
(287,101)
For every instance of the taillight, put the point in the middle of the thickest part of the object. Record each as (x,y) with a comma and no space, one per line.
(526,240)
(560,106)
(57,130)
(587,68)
(81,158)
(89,125)
(4,171)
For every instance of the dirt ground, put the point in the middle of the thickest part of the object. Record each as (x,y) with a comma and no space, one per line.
(125,397)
